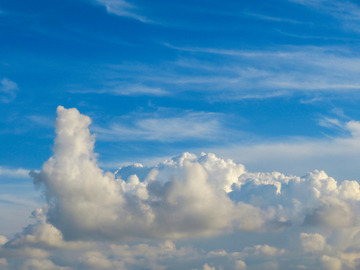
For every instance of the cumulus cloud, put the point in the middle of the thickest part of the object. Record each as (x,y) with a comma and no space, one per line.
(312,242)
(3,240)
(269,251)
(41,265)
(330,263)
(240,265)
(207,267)
(84,202)
(132,218)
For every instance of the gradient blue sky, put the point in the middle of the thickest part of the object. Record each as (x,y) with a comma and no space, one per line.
(237,72)
(271,84)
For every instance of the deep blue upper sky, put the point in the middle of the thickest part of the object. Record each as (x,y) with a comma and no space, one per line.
(162,77)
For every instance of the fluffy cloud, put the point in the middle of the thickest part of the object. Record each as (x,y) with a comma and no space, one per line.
(312,242)
(207,267)
(41,265)
(240,265)
(3,240)
(132,219)
(86,203)
(330,263)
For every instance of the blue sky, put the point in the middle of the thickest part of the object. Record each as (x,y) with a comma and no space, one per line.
(244,72)
(273,85)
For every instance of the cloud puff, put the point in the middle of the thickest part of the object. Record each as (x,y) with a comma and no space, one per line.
(312,242)
(240,265)
(130,219)
(3,240)
(330,263)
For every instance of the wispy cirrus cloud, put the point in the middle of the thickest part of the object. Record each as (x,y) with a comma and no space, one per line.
(184,126)
(14,173)
(243,74)
(122,8)
(275,19)
(7,90)
(119,88)
(346,11)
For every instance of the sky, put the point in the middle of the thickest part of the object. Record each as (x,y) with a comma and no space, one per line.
(158,134)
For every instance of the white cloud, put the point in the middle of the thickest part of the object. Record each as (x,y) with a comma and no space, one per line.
(132,219)
(14,173)
(190,125)
(337,155)
(312,242)
(122,8)
(41,120)
(240,265)
(3,240)
(330,263)
(95,260)
(269,251)
(247,74)
(345,10)
(271,18)
(121,89)
(183,211)
(41,265)
(8,90)
(207,267)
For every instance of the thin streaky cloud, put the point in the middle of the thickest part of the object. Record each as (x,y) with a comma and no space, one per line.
(313,37)
(212,50)
(120,89)
(344,10)
(8,90)
(276,19)
(170,129)
(265,95)
(41,120)
(325,69)
(9,198)
(123,8)
(331,123)
(340,113)
(279,51)
(14,173)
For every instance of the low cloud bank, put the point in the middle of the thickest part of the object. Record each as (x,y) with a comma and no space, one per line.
(130,220)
